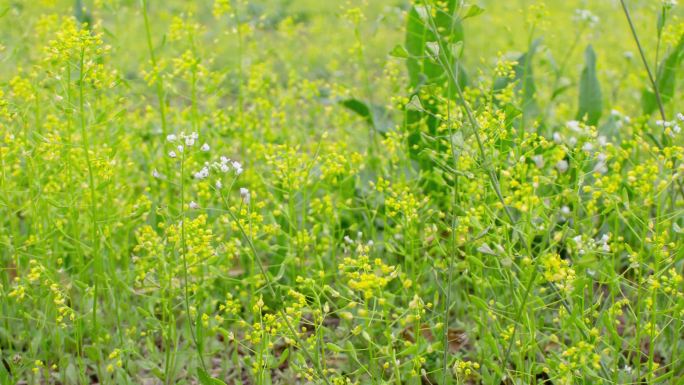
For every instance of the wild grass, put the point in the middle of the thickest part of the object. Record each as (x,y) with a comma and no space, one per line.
(341,192)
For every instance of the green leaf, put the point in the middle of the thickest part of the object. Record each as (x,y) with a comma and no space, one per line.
(206,379)
(472,11)
(376,116)
(523,72)
(419,31)
(283,356)
(333,348)
(399,51)
(666,80)
(590,96)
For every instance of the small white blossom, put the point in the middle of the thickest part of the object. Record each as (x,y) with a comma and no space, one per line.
(218,185)
(238,167)
(574,125)
(202,174)
(205,147)
(190,139)
(669,3)
(245,195)
(680,116)
(171,137)
(562,165)
(193,205)
(180,148)
(172,154)
(156,174)
(586,16)
(538,161)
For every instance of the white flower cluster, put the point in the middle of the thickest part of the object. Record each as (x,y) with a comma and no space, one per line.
(188,139)
(590,145)
(672,127)
(586,16)
(583,246)
(669,4)
(224,165)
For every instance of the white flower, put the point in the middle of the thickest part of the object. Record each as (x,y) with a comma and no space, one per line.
(171,137)
(348,239)
(562,165)
(573,125)
(190,139)
(205,147)
(538,161)
(202,174)
(669,3)
(224,167)
(172,154)
(585,16)
(680,116)
(557,137)
(587,146)
(238,167)
(218,184)
(677,129)
(193,205)
(180,148)
(565,210)
(245,195)
(156,174)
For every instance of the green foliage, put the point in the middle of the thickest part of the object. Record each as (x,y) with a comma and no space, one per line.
(590,96)
(666,79)
(277,192)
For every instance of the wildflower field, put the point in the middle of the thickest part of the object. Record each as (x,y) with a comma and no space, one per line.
(418,192)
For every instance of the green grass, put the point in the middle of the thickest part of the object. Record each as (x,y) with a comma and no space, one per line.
(341,192)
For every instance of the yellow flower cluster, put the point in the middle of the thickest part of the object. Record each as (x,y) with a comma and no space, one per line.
(558,271)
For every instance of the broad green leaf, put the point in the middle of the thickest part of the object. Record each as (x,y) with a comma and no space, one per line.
(333,348)
(666,79)
(376,116)
(206,379)
(283,356)
(399,51)
(472,11)
(590,96)
(420,31)
(523,72)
